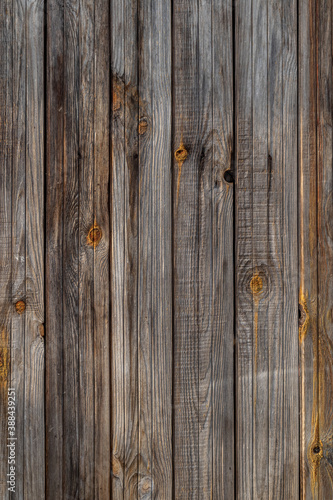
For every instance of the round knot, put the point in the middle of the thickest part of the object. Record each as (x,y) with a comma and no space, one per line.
(20,307)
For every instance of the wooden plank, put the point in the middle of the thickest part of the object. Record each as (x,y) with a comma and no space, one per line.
(308,266)
(222,378)
(289,341)
(124,259)
(18,232)
(154,283)
(266,249)
(54,249)
(6,108)
(188,223)
(145,250)
(243,252)
(102,438)
(117,264)
(34,423)
(162,467)
(87,236)
(70,286)
(322,437)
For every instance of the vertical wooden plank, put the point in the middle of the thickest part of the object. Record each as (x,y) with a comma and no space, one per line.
(275,239)
(323,440)
(54,227)
(117,208)
(101,95)
(222,394)
(266,249)
(289,341)
(124,259)
(187,150)
(154,283)
(70,264)
(18,232)
(192,193)
(243,265)
(145,249)
(308,265)
(34,444)
(161,229)
(6,231)
(203,314)
(264,284)
(87,241)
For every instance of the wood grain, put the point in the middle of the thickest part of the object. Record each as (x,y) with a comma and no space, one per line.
(54,248)
(307,233)
(222,348)
(34,424)
(323,435)
(187,149)
(266,242)
(18,206)
(124,258)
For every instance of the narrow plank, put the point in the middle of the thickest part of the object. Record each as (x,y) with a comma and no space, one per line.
(124,259)
(275,239)
(34,423)
(324,441)
(101,94)
(308,252)
(264,283)
(54,249)
(223,473)
(18,231)
(204,236)
(70,264)
(243,251)
(145,251)
(117,263)
(88,238)
(289,341)
(187,151)
(6,108)
(154,282)
(161,230)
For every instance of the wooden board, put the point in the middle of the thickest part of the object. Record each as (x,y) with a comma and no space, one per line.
(166,248)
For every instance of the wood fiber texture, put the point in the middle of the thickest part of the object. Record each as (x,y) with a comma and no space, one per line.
(166,249)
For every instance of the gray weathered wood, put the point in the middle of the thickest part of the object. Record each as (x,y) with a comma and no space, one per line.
(102,382)
(34,423)
(266,240)
(124,257)
(222,374)
(6,108)
(54,250)
(322,435)
(307,234)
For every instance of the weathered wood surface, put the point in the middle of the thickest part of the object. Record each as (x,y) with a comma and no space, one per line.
(166,234)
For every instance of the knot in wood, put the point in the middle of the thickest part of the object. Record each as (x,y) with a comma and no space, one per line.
(143,126)
(145,487)
(256,284)
(94,236)
(181,154)
(20,307)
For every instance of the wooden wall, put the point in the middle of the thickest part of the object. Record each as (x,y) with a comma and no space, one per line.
(166,248)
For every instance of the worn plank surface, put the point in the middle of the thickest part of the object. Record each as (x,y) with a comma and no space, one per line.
(166,248)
